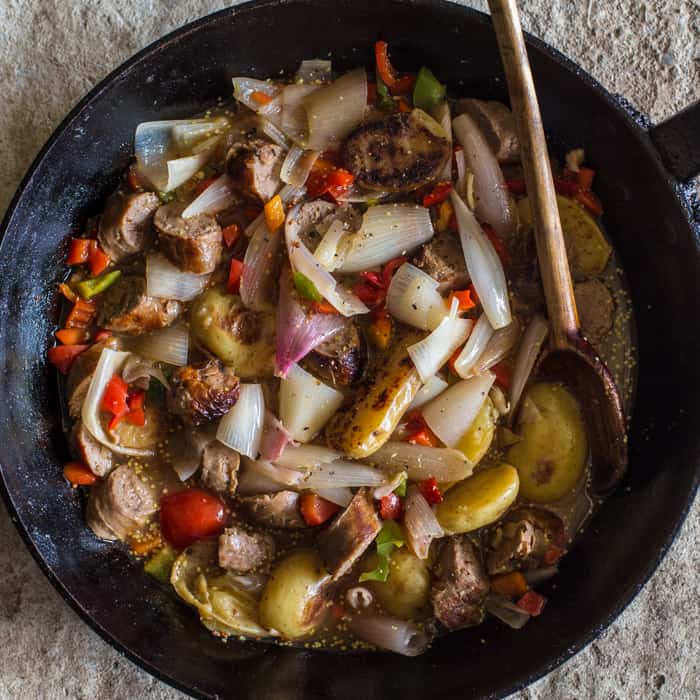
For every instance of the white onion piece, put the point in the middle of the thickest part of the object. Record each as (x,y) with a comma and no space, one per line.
(252,482)
(330,251)
(297,165)
(431,353)
(413,298)
(178,171)
(387,231)
(109,364)
(342,473)
(214,199)
(192,134)
(314,71)
(292,118)
(450,414)
(306,404)
(390,633)
(335,110)
(165,280)
(136,368)
(474,347)
(443,463)
(493,201)
(420,523)
(170,345)
(441,114)
(307,456)
(390,485)
(500,346)
(241,428)
(280,475)
(185,449)
(460,185)
(340,495)
(432,388)
(259,274)
(272,131)
(507,612)
(483,264)
(243,89)
(529,349)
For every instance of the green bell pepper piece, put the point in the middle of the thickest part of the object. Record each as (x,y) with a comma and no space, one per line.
(390,537)
(306,287)
(428,91)
(96,285)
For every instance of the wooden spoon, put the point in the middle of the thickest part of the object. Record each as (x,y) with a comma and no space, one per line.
(570,357)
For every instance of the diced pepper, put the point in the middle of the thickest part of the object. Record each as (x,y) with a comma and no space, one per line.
(316,510)
(566,187)
(439,194)
(230,234)
(404,106)
(552,555)
(78,251)
(233,285)
(326,178)
(423,437)
(306,288)
(379,329)
(78,474)
(418,431)
(390,537)
(397,84)
(585,177)
(464,297)
(428,91)
(512,584)
(590,201)
(323,307)
(262,98)
(504,373)
(67,292)
(62,356)
(114,397)
(532,603)
(136,414)
(445,214)
(369,293)
(98,260)
(161,564)
(497,244)
(390,268)
(274,213)
(475,296)
(72,336)
(203,185)
(390,507)
(102,335)
(430,490)
(92,287)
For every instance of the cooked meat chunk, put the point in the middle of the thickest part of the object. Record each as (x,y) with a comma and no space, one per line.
(119,504)
(313,219)
(244,551)
(340,359)
(126,308)
(202,392)
(522,539)
(596,309)
(398,153)
(126,224)
(460,586)
(278,510)
(255,168)
(80,374)
(97,457)
(219,468)
(347,538)
(442,258)
(496,123)
(193,244)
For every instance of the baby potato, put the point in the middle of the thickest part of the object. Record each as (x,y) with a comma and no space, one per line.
(238,337)
(479,500)
(476,441)
(551,456)
(405,592)
(294,600)
(587,247)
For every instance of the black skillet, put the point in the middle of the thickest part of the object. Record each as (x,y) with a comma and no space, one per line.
(647,214)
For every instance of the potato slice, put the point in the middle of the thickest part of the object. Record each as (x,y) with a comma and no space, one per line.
(551,457)
(586,246)
(476,441)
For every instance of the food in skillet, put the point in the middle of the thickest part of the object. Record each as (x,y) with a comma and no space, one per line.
(300,362)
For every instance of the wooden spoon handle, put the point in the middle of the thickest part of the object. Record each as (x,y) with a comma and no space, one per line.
(551,251)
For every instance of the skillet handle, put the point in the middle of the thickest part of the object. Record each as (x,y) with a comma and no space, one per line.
(678,142)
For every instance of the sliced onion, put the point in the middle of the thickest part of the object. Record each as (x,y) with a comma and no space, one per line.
(387,231)
(252,482)
(493,201)
(259,276)
(275,437)
(272,131)
(306,404)
(241,428)
(413,298)
(432,388)
(330,252)
(185,449)
(390,633)
(460,185)
(421,462)
(420,523)
(307,456)
(450,414)
(299,331)
(483,264)
(340,495)
(507,612)
(280,475)
(292,118)
(535,577)
(499,347)
(243,89)
(314,71)
(474,347)
(529,349)
(342,473)
(109,364)
(442,116)
(297,165)
(179,171)
(391,484)
(192,135)
(166,281)
(335,110)
(215,198)
(170,345)
(137,368)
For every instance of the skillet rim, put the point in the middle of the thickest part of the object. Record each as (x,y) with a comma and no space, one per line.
(640,126)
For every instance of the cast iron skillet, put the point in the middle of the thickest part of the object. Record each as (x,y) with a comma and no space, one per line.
(646,213)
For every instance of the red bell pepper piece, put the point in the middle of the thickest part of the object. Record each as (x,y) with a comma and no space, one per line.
(532,603)
(323,307)
(81,314)
(316,510)
(326,178)
(98,260)
(78,251)
(552,555)
(390,268)
(504,373)
(390,507)
(231,234)
(78,474)
(397,84)
(439,194)
(464,298)
(233,286)
(62,356)
(136,414)
(430,490)
(590,201)
(71,336)
(114,397)
(102,335)
(191,515)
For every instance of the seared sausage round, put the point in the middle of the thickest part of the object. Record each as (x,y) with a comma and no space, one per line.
(126,224)
(443,259)
(97,457)
(596,309)
(496,123)
(340,359)
(278,510)
(255,168)
(219,468)
(244,550)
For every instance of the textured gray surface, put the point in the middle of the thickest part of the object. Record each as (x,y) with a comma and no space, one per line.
(53,51)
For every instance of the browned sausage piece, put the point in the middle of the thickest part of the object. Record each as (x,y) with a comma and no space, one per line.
(202,392)
(496,123)
(219,468)
(119,504)
(460,586)
(126,224)
(97,457)
(255,168)
(443,260)
(243,550)
(277,510)
(398,153)
(340,359)
(193,244)
(596,309)
(347,538)
(126,308)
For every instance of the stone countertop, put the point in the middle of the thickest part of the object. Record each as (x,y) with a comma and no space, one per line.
(53,51)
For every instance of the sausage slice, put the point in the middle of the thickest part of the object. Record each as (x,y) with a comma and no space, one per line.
(126,224)
(255,168)
(496,123)
(340,359)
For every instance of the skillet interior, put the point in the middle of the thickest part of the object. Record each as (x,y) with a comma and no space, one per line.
(657,246)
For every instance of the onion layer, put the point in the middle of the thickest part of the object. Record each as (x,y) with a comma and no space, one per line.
(432,388)
(390,633)
(420,523)
(169,345)
(431,353)
(421,462)
(528,351)
(165,280)
(413,298)
(241,428)
(475,346)
(215,198)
